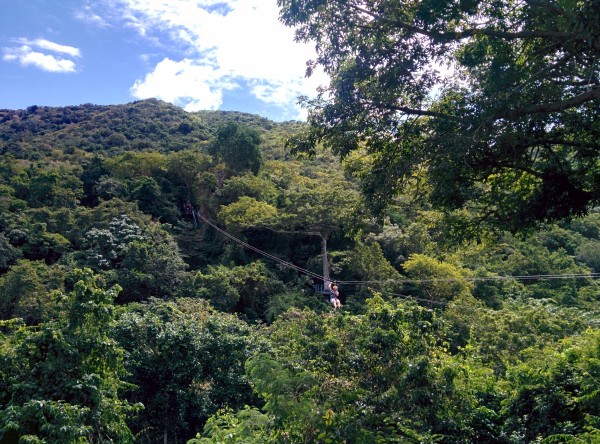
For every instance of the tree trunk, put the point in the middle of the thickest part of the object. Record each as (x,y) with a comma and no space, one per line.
(325,262)
(219,176)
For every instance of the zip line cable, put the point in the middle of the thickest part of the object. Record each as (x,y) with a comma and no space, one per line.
(395,281)
(485,278)
(257,250)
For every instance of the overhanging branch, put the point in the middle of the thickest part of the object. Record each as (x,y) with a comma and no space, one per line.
(546,108)
(422,112)
(466,33)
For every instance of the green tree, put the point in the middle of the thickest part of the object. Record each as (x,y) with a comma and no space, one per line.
(104,248)
(185,362)
(8,253)
(93,170)
(320,207)
(533,258)
(104,216)
(364,262)
(249,426)
(437,281)
(25,291)
(589,253)
(145,261)
(317,207)
(60,382)
(132,165)
(151,200)
(151,267)
(493,104)
(185,166)
(106,188)
(554,393)
(247,212)
(500,338)
(247,289)
(238,146)
(37,242)
(54,187)
(247,185)
(374,377)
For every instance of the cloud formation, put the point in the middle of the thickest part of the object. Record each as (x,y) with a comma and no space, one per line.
(193,87)
(27,55)
(223,43)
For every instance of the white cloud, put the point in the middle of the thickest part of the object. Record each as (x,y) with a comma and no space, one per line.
(51,46)
(26,55)
(224,41)
(185,83)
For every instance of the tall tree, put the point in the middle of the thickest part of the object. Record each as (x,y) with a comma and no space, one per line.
(313,207)
(495,103)
(320,207)
(186,168)
(238,146)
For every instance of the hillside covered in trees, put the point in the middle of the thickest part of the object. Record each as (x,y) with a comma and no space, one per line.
(157,284)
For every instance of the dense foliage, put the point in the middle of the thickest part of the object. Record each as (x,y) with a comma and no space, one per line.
(126,317)
(488,105)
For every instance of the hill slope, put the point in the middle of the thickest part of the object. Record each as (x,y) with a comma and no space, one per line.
(109,283)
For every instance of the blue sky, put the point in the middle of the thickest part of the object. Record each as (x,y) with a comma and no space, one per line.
(198,54)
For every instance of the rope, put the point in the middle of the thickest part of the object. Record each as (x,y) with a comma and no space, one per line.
(398,281)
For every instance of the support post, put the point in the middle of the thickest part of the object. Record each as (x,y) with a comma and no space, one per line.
(326,279)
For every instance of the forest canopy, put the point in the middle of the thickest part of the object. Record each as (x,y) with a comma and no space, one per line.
(162,280)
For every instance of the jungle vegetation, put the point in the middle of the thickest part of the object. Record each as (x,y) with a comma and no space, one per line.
(462,227)
(123,320)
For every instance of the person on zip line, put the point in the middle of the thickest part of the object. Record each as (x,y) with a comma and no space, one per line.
(334,295)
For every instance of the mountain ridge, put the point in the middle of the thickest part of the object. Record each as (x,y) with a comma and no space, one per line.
(139,125)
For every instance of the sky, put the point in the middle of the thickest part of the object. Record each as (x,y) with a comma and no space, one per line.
(197,54)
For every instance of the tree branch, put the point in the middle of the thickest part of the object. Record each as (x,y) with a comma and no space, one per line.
(466,33)
(504,34)
(548,68)
(545,108)
(592,81)
(422,112)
